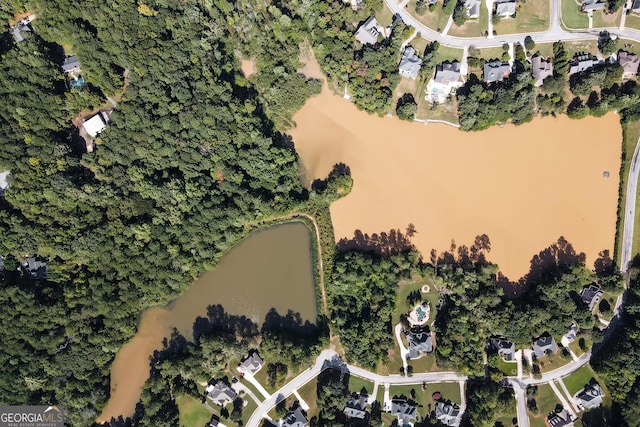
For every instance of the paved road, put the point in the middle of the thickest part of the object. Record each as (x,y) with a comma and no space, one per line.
(630,210)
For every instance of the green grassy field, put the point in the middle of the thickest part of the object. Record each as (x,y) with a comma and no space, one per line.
(449,391)
(384,16)
(578,379)
(356,384)
(192,413)
(309,394)
(553,361)
(531,16)
(543,49)
(508,368)
(632,21)
(572,17)
(546,401)
(473,27)
(435,20)
(249,408)
(602,19)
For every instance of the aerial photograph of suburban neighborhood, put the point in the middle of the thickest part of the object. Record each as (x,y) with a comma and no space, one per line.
(319,213)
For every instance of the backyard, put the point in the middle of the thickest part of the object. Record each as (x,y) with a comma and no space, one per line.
(435,20)
(602,19)
(546,401)
(578,379)
(531,16)
(192,413)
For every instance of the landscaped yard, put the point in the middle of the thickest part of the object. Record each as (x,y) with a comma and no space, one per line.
(632,21)
(531,16)
(356,384)
(553,361)
(572,17)
(449,391)
(384,16)
(249,408)
(473,27)
(575,346)
(602,19)
(543,49)
(449,54)
(508,368)
(588,46)
(446,112)
(435,20)
(546,401)
(578,379)
(192,413)
(309,393)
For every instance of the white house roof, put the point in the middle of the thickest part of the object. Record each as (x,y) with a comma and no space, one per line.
(3,180)
(95,124)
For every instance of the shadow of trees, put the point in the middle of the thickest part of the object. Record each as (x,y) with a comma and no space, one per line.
(220,323)
(383,245)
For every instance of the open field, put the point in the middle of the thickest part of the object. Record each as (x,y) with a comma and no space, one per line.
(531,16)
(356,384)
(572,17)
(632,21)
(309,394)
(437,178)
(546,401)
(192,413)
(473,27)
(577,380)
(543,49)
(602,19)
(435,20)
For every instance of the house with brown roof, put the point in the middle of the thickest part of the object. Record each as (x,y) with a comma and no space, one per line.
(541,68)
(629,63)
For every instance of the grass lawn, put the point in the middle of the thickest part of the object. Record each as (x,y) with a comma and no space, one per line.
(546,401)
(449,54)
(543,49)
(426,363)
(309,393)
(588,46)
(602,19)
(572,17)
(531,16)
(575,347)
(553,361)
(435,20)
(473,27)
(384,16)
(356,384)
(406,85)
(632,21)
(578,379)
(611,299)
(449,391)
(249,408)
(419,44)
(491,53)
(391,364)
(446,112)
(405,288)
(508,368)
(192,413)
(630,133)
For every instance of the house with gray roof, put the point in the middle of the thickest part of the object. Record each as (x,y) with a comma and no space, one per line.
(4,183)
(295,419)
(635,6)
(496,71)
(590,295)
(251,364)
(590,396)
(473,8)
(591,5)
(505,9)
(541,68)
(368,32)
(544,345)
(356,407)
(559,419)
(404,410)
(410,63)
(447,72)
(34,268)
(582,62)
(448,413)
(21,28)
(505,348)
(629,63)
(420,341)
(571,335)
(220,393)
(71,65)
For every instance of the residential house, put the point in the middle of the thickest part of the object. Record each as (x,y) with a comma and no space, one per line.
(355,4)
(544,345)
(1,263)
(220,393)
(447,73)
(571,335)
(496,71)
(582,62)
(504,347)
(356,407)
(420,341)
(590,396)
(629,63)
(35,269)
(368,32)
(448,413)
(213,423)
(635,6)
(4,184)
(410,63)
(295,419)
(473,8)
(71,65)
(21,28)
(541,68)
(590,295)
(251,364)
(96,124)
(505,9)
(559,419)
(591,5)
(404,410)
